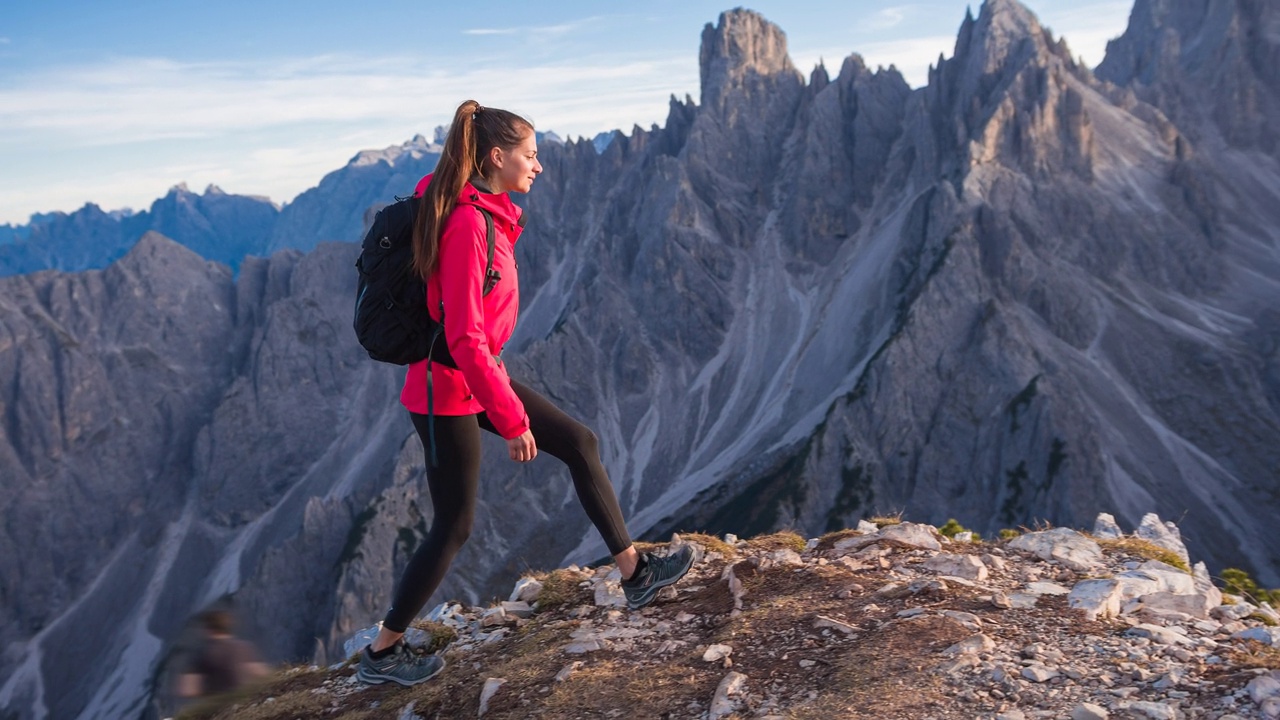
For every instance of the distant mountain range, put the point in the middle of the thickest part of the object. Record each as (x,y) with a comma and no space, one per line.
(1026,291)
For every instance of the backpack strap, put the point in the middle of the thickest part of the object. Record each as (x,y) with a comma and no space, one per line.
(491,278)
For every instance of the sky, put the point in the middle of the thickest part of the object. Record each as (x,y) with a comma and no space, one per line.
(114,102)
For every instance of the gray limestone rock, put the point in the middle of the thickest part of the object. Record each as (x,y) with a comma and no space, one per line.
(1062,545)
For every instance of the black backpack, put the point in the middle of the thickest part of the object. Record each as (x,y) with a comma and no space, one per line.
(391,318)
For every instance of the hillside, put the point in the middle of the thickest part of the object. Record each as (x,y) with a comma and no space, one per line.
(893,622)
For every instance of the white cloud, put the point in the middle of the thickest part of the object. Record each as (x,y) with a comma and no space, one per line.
(536,31)
(275,129)
(886,18)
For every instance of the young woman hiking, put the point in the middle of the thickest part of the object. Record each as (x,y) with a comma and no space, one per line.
(488,154)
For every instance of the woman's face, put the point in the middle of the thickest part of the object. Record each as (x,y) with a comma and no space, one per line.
(515,169)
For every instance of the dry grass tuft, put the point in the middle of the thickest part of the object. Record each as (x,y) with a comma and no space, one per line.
(785,540)
(711,543)
(1144,549)
(440,634)
(560,587)
(886,520)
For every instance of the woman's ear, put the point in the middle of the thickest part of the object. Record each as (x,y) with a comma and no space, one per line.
(496,156)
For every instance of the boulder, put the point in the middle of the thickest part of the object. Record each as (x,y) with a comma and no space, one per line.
(1062,545)
(962,566)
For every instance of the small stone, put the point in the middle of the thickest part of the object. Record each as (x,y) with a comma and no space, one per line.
(913,534)
(975,644)
(1154,710)
(1062,545)
(969,621)
(1105,526)
(723,703)
(823,621)
(1263,687)
(1266,635)
(716,652)
(807,663)
(517,608)
(526,590)
(1155,633)
(1001,600)
(911,612)
(963,566)
(1047,588)
(1039,673)
(487,692)
(1089,711)
(786,556)
(568,670)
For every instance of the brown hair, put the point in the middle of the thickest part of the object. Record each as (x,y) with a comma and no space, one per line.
(475,131)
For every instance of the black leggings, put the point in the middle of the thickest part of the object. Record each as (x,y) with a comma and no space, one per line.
(455,480)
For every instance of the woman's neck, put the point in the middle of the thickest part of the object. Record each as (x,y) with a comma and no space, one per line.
(479,183)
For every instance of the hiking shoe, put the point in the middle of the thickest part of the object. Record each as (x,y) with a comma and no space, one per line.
(401,665)
(658,572)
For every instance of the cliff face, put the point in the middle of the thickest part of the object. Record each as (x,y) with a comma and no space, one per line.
(1019,293)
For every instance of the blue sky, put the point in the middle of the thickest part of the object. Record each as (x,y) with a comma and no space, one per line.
(114,102)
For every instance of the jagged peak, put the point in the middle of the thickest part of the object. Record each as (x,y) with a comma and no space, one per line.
(742,42)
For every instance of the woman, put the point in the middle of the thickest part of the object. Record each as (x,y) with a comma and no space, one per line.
(488,153)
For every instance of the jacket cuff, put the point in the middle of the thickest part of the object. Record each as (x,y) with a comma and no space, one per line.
(516,430)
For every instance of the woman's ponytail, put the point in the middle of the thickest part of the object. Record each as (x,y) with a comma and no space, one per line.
(474,132)
(457,164)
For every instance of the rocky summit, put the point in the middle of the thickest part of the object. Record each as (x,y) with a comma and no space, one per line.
(892,621)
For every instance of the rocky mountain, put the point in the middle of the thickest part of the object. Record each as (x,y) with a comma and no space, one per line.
(892,621)
(335,210)
(1022,293)
(218,226)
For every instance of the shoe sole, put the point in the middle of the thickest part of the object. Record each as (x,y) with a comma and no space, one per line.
(376,679)
(653,589)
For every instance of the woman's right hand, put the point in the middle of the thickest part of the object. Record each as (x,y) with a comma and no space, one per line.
(522,448)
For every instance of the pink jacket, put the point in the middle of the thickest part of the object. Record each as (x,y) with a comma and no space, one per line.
(475,327)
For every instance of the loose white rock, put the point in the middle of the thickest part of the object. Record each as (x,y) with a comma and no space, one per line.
(914,534)
(1154,710)
(1039,673)
(568,670)
(1089,711)
(974,644)
(717,652)
(723,703)
(1164,534)
(1268,635)
(1097,598)
(1105,527)
(1263,687)
(968,567)
(1062,545)
(823,621)
(526,590)
(487,692)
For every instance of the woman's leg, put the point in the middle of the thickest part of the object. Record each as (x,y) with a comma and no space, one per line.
(453,484)
(574,444)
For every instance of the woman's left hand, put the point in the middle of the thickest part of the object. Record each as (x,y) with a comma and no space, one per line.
(522,448)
